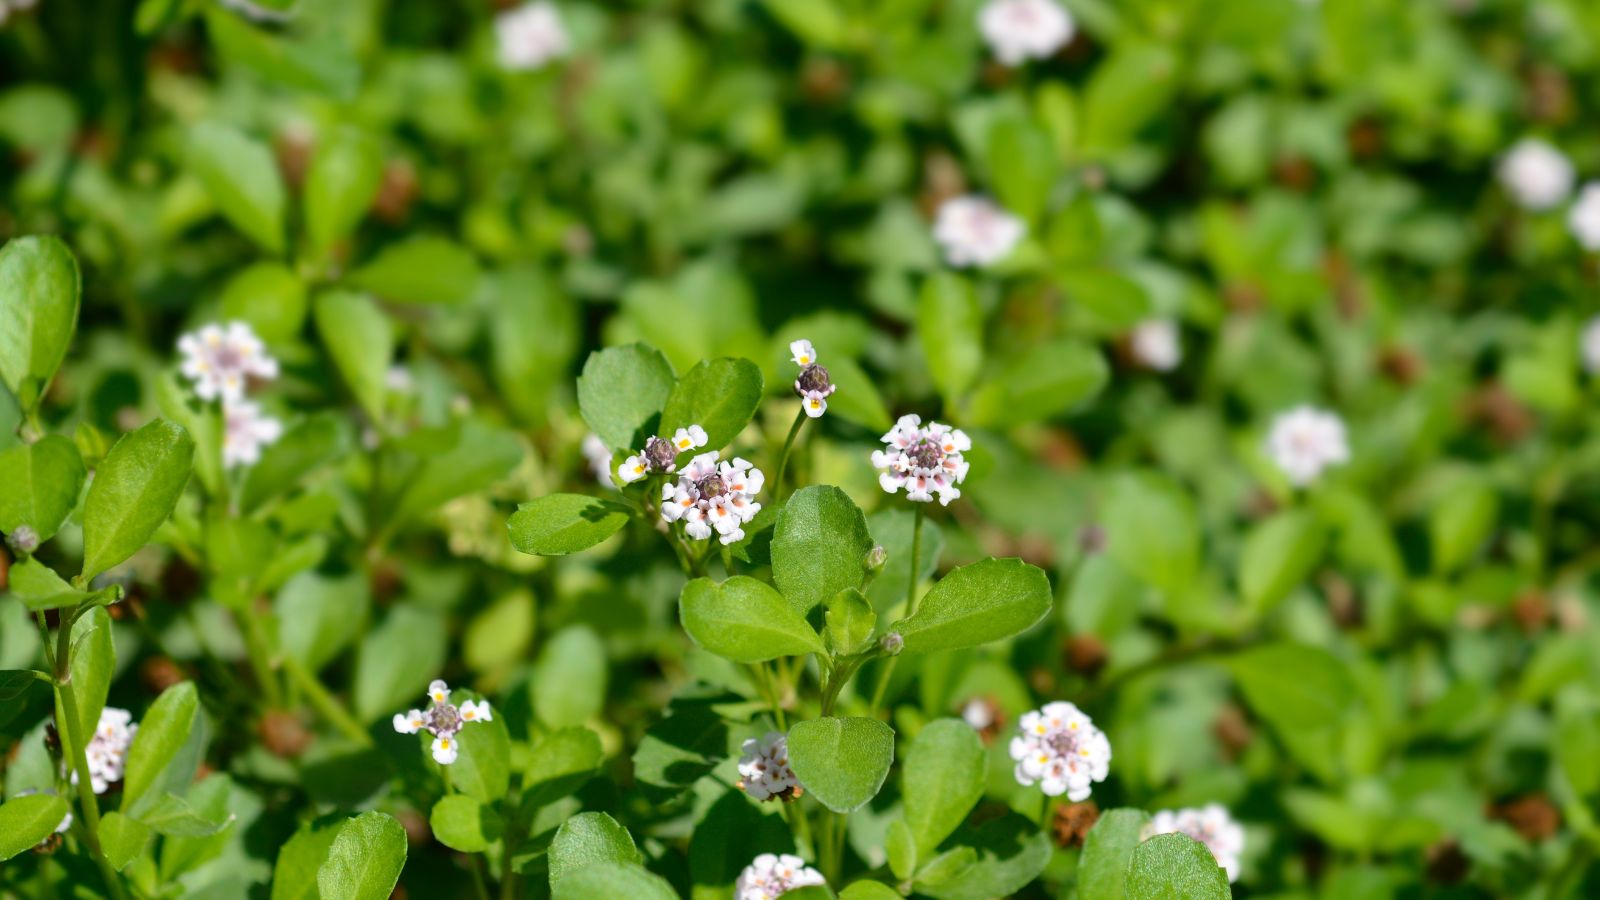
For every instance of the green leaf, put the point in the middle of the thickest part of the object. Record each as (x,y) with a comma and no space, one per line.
(719,395)
(122,838)
(135,489)
(946,867)
(588,839)
(1023,166)
(841,762)
(679,749)
(744,620)
(462,823)
(1152,529)
(819,546)
(270,297)
(952,334)
(480,456)
(1113,300)
(560,764)
(1107,850)
(397,660)
(499,635)
(946,753)
(1316,695)
(341,181)
(483,769)
(612,879)
(533,334)
(1277,556)
(851,623)
(39,294)
(1178,867)
(1461,523)
(868,890)
(242,177)
(569,679)
(901,847)
(622,391)
(294,875)
(856,398)
(365,859)
(162,733)
(1040,382)
(420,270)
(976,604)
(39,587)
(1012,852)
(558,524)
(361,340)
(176,816)
(25,821)
(320,615)
(16,682)
(94,658)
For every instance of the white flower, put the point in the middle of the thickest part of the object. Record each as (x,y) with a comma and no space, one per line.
(107,752)
(802,352)
(771,875)
(1018,29)
(814,385)
(1537,174)
(1061,750)
(1589,345)
(1155,345)
(1583,219)
(924,460)
(221,359)
(713,496)
(660,454)
(974,231)
(443,720)
(764,770)
(531,35)
(245,431)
(978,713)
(599,458)
(1306,440)
(1210,825)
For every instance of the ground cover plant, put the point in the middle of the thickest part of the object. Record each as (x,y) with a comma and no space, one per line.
(820,448)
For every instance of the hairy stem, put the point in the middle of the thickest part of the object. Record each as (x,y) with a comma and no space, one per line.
(783,457)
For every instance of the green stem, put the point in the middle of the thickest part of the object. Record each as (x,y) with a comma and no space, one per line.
(326,704)
(44,639)
(88,807)
(476,865)
(783,457)
(258,651)
(911,603)
(770,690)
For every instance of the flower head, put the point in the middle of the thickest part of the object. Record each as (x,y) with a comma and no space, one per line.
(1061,750)
(974,231)
(1018,29)
(1306,440)
(764,770)
(1583,219)
(1154,344)
(107,752)
(1538,175)
(443,720)
(531,35)
(661,454)
(770,875)
(23,539)
(713,496)
(1210,825)
(925,460)
(814,386)
(245,431)
(598,455)
(221,359)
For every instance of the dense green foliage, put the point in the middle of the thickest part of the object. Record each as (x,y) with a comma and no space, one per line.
(1274,353)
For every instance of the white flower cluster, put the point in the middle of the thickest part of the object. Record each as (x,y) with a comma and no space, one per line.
(443,720)
(1019,29)
(764,770)
(814,386)
(772,875)
(107,752)
(924,460)
(221,360)
(713,496)
(531,35)
(1210,825)
(974,231)
(1155,344)
(1538,175)
(1304,441)
(1060,749)
(660,454)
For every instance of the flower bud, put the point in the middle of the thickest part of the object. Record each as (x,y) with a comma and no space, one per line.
(892,643)
(24,540)
(813,378)
(661,454)
(876,557)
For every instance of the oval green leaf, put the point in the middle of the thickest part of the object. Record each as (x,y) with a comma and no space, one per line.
(1176,867)
(39,293)
(25,821)
(241,176)
(841,762)
(462,823)
(365,860)
(43,480)
(587,839)
(976,604)
(719,395)
(819,546)
(744,620)
(420,270)
(946,753)
(565,523)
(621,393)
(135,488)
